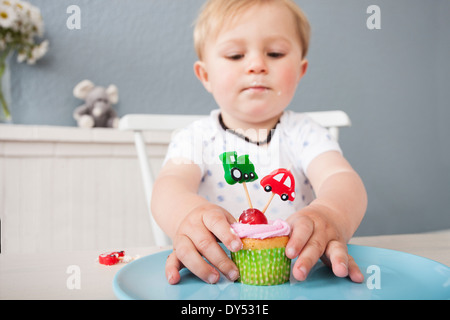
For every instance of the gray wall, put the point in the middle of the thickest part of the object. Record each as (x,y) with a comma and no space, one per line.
(394,83)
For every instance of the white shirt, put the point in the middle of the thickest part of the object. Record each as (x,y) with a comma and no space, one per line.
(295,142)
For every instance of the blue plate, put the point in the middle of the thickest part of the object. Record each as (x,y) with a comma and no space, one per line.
(389,275)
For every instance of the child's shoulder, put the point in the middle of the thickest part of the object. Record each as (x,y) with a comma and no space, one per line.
(295,115)
(204,126)
(292,120)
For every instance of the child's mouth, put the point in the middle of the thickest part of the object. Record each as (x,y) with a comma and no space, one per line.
(257,89)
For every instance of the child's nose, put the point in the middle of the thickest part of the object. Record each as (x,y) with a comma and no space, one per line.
(257,65)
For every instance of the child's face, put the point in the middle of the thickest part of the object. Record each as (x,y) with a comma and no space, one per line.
(253,66)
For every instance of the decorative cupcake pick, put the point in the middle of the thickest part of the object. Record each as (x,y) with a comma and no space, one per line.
(238,170)
(241,170)
(280,182)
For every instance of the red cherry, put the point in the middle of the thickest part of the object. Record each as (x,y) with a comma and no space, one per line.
(253,216)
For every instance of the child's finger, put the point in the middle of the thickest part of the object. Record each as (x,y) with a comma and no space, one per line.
(309,256)
(173,267)
(338,256)
(188,255)
(219,224)
(302,229)
(341,262)
(354,272)
(207,245)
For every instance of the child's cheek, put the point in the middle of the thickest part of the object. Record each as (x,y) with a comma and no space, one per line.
(224,87)
(288,82)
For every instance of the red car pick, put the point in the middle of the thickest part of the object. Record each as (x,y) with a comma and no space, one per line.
(281,182)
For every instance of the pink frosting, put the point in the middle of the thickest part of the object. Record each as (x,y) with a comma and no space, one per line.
(277,228)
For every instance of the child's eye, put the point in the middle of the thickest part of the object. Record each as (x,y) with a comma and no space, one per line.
(235,56)
(276,54)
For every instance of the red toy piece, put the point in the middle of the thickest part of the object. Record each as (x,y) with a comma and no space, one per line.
(111,258)
(281,182)
(253,216)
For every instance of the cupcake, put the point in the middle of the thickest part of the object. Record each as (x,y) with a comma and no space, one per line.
(262,260)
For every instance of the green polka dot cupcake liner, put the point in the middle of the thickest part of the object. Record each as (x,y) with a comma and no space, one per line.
(263,267)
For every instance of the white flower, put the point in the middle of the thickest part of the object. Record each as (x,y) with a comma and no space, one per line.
(36,20)
(21,56)
(20,23)
(7,16)
(38,52)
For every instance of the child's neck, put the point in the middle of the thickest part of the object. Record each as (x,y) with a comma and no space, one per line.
(258,133)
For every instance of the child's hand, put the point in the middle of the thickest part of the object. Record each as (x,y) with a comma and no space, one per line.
(315,235)
(196,237)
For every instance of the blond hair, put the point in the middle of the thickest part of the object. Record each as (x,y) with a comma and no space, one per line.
(215,13)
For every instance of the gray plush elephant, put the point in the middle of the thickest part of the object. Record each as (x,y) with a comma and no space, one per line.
(97,110)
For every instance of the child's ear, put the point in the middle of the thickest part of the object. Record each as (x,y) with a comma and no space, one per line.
(202,74)
(303,68)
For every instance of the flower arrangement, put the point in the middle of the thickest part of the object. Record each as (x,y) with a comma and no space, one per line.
(20,23)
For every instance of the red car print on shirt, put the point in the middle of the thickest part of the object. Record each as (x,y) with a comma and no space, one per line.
(281,182)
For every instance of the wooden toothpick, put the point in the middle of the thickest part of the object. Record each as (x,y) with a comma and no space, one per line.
(267,205)
(248,196)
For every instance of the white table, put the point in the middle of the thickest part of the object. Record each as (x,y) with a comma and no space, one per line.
(55,276)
